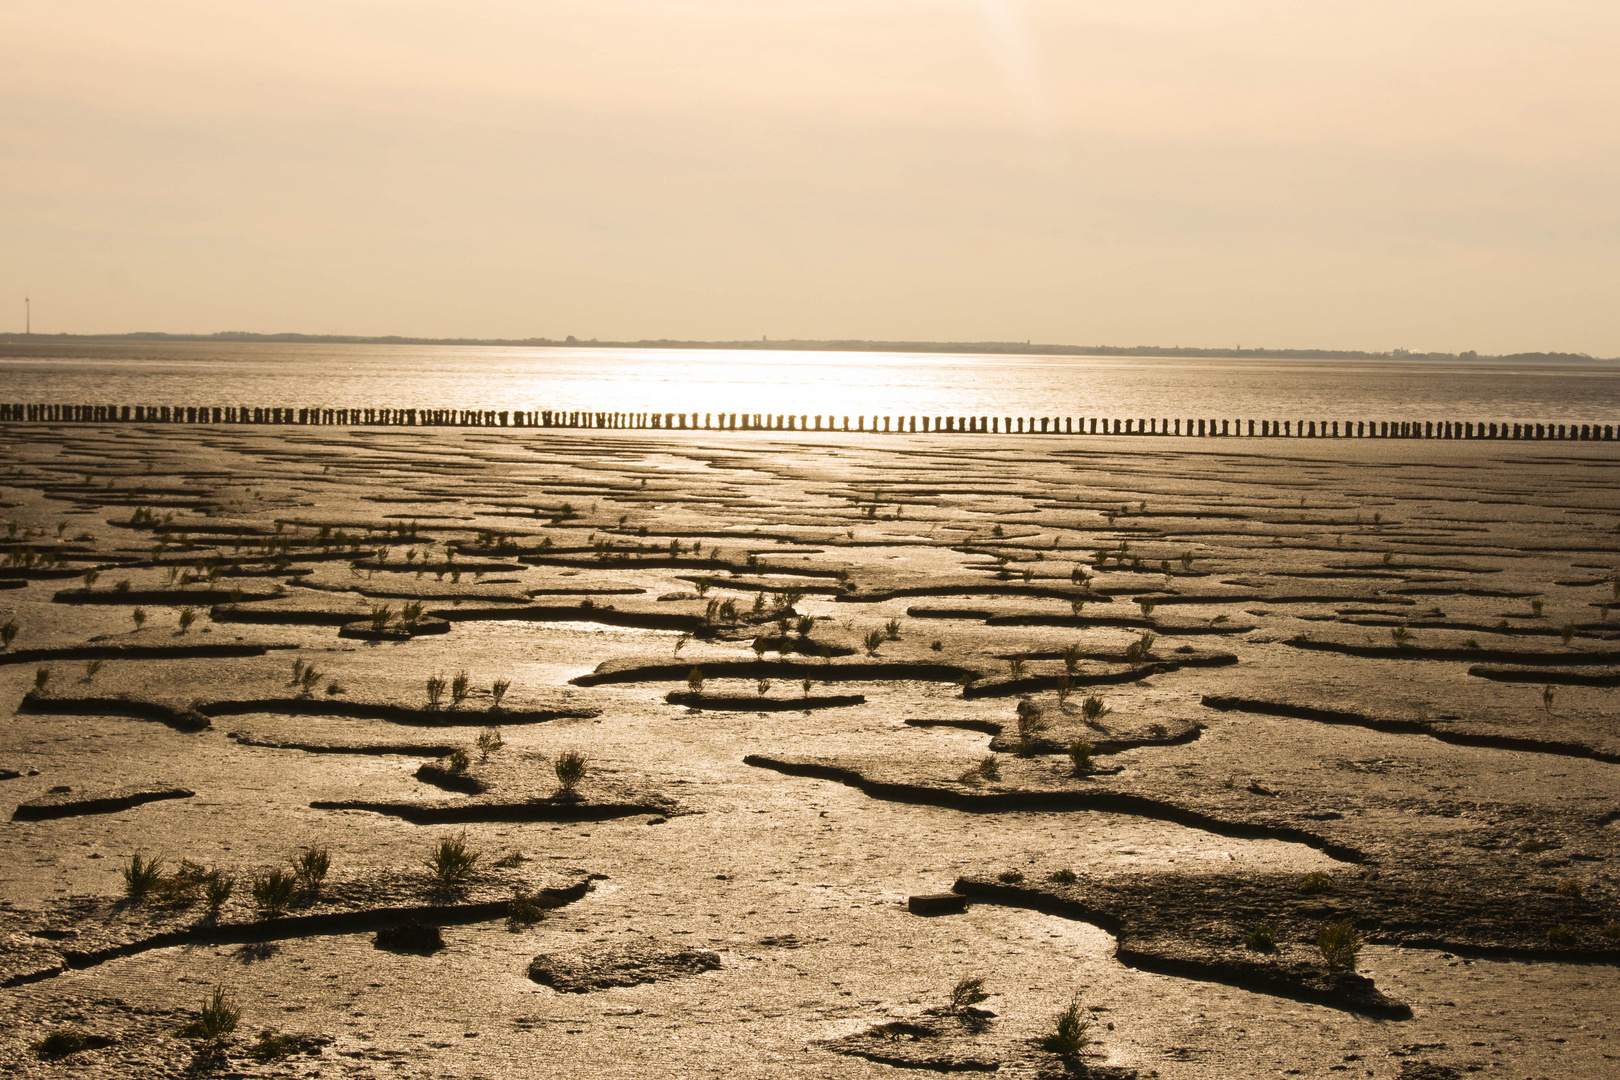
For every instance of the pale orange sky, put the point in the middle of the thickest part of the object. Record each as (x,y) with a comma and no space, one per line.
(1427,175)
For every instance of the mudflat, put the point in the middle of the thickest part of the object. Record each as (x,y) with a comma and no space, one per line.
(586,753)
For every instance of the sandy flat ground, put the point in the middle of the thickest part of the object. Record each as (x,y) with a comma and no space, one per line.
(1390,664)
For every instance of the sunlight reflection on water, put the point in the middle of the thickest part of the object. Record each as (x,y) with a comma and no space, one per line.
(828,383)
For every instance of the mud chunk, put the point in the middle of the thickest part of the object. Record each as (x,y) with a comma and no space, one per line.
(603,969)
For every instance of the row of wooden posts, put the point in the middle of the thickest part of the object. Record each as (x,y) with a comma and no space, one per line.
(1020,425)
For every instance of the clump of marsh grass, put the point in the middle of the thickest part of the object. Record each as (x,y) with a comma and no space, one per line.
(311,866)
(460,687)
(1069,1034)
(451,861)
(1339,944)
(524,909)
(409,615)
(570,768)
(1261,938)
(987,769)
(489,740)
(497,691)
(187,617)
(435,691)
(141,876)
(1315,882)
(138,616)
(966,993)
(1015,667)
(873,642)
(1031,722)
(91,669)
(1071,658)
(1093,709)
(1080,752)
(381,616)
(891,630)
(8,633)
(216,1020)
(763,686)
(62,1042)
(1139,650)
(217,889)
(274,892)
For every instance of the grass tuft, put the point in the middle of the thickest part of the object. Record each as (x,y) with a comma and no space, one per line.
(62,1042)
(1080,752)
(570,768)
(1340,944)
(311,866)
(216,1019)
(141,876)
(1068,1037)
(452,861)
(274,892)
(524,910)
(1315,882)
(967,992)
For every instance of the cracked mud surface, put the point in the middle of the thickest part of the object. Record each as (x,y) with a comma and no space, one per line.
(797,672)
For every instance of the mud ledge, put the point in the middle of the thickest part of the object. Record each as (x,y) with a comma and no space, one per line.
(135,652)
(1031,684)
(1496,656)
(1544,675)
(1114,802)
(397,714)
(429,750)
(361,629)
(181,719)
(367,920)
(1407,727)
(470,812)
(630,672)
(1183,732)
(599,613)
(1040,592)
(1347,991)
(63,804)
(744,703)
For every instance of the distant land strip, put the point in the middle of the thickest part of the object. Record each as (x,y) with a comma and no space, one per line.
(1018,348)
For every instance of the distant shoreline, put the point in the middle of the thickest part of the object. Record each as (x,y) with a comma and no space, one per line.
(1010,348)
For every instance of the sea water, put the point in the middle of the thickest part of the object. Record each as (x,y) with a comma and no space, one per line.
(300,375)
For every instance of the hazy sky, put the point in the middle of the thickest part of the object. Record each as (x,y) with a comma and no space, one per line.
(1359,174)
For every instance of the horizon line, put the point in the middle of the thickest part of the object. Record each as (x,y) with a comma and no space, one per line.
(1024,348)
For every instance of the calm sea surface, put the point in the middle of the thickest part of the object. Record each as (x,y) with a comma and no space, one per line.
(654,380)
